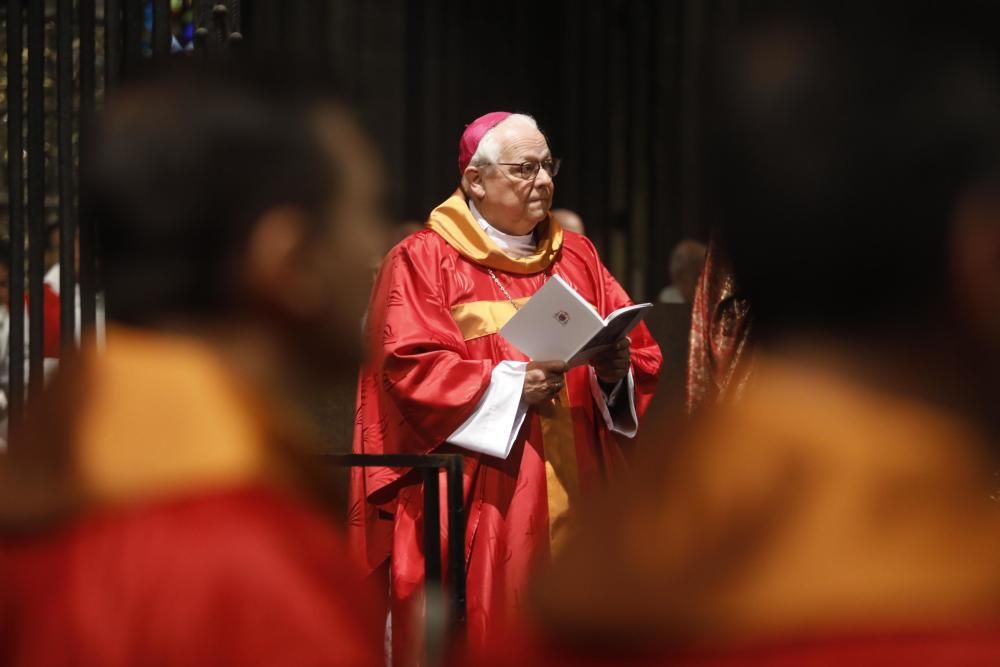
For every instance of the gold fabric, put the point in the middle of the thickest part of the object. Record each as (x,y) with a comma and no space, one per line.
(162,416)
(453,221)
(562,479)
(482,318)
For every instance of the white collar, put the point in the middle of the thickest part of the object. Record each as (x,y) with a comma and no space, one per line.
(513,246)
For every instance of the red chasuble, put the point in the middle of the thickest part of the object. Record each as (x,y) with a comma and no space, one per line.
(163,512)
(433,335)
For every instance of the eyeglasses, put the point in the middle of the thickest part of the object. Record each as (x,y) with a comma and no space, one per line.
(529,170)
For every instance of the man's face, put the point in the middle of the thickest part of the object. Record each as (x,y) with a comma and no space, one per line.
(513,204)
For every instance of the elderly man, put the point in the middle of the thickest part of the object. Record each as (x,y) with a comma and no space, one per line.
(535,434)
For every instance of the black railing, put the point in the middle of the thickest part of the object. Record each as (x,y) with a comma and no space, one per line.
(112,31)
(438,634)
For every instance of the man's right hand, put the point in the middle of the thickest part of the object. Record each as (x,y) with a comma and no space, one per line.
(543,380)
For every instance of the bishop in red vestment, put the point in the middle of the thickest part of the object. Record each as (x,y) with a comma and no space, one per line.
(441,379)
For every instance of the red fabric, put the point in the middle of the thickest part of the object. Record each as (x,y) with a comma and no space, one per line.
(51,322)
(973,647)
(247,577)
(474,133)
(422,382)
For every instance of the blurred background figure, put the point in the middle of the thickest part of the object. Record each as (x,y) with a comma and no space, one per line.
(175,512)
(840,511)
(51,300)
(4,336)
(686,261)
(569,220)
(51,245)
(50,295)
(399,232)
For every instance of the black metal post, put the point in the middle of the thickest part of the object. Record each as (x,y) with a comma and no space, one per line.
(429,465)
(132,20)
(161,29)
(432,527)
(15,187)
(67,221)
(36,194)
(86,226)
(456,541)
(434,609)
(112,43)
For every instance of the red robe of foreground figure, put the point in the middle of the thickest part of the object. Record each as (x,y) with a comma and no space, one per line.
(432,330)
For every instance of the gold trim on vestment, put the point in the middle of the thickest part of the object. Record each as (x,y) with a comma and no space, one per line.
(482,318)
(562,476)
(453,222)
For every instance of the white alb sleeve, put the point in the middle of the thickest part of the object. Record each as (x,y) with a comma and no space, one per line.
(492,428)
(624,421)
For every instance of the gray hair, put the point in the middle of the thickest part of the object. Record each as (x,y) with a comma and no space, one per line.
(488,151)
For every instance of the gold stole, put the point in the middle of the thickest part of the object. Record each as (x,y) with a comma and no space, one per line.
(562,476)
(562,484)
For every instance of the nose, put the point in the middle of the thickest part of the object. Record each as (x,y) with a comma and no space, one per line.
(543,179)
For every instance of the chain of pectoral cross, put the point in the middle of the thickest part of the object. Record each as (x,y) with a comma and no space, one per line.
(503,290)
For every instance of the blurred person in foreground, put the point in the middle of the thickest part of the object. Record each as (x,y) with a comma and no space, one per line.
(164,505)
(535,434)
(686,261)
(839,512)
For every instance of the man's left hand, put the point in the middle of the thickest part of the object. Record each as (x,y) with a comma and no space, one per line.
(612,362)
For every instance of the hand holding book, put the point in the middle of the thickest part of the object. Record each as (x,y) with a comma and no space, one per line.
(559,324)
(543,380)
(611,362)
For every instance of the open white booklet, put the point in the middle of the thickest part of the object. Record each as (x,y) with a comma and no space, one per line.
(559,324)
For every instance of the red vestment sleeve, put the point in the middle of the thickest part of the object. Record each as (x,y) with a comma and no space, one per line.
(646,356)
(427,382)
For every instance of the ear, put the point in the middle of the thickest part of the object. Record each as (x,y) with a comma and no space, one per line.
(273,267)
(472,182)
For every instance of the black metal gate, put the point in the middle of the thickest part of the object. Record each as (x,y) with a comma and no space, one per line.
(61,58)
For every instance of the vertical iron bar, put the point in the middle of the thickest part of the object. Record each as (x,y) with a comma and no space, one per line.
(456,542)
(67,226)
(15,176)
(161,29)
(36,194)
(86,229)
(112,43)
(432,565)
(432,527)
(202,23)
(132,18)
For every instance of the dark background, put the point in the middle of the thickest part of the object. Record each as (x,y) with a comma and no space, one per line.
(617,85)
